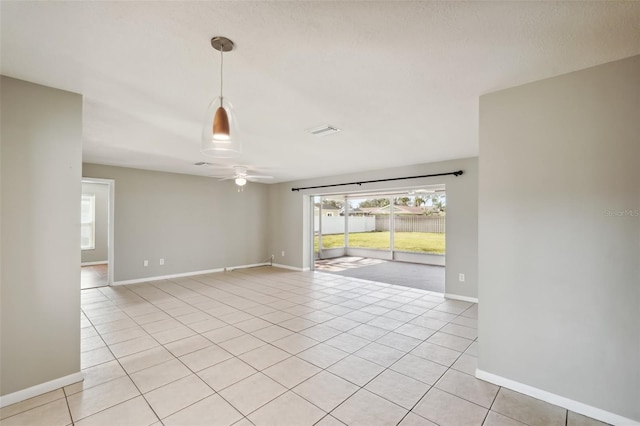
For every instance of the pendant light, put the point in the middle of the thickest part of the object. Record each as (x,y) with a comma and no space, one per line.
(219,134)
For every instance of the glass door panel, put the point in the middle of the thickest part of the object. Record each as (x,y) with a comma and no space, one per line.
(369,221)
(419,223)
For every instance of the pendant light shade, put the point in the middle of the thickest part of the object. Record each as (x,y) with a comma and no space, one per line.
(221,125)
(219,133)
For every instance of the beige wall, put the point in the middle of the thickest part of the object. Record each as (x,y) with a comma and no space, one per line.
(41,156)
(289,217)
(193,223)
(559,234)
(101,192)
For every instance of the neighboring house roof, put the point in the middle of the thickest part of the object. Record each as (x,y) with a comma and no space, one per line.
(327,207)
(369,210)
(409,210)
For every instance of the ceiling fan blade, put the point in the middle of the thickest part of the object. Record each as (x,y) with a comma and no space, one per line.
(222,177)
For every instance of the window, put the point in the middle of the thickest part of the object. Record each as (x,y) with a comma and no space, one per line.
(88,222)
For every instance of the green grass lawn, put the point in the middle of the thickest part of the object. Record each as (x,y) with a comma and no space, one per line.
(424,242)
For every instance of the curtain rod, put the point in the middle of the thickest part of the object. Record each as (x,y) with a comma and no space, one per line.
(458,173)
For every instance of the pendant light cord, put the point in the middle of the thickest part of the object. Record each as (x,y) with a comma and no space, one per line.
(221,63)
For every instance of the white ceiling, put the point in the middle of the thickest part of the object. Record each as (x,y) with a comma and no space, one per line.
(401,79)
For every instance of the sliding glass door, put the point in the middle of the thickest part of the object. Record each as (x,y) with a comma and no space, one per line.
(407,226)
(368,224)
(419,224)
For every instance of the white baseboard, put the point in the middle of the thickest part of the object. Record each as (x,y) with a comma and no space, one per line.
(293,268)
(166,277)
(40,389)
(187,274)
(463,298)
(100,262)
(569,404)
(253,265)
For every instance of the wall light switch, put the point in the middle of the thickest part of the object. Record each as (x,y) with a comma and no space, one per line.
(282,252)
(146,263)
(162,261)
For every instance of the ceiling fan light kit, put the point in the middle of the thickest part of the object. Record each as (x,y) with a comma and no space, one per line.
(219,134)
(241,176)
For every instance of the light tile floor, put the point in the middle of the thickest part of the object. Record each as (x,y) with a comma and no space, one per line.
(268,347)
(94,276)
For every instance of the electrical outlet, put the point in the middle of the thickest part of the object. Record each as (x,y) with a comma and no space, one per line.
(145,263)
(161,261)
(273,256)
(282,253)
(461,278)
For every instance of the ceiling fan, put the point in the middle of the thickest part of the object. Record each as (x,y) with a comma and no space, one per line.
(241,176)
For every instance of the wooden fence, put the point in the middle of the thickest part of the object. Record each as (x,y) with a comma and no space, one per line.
(410,223)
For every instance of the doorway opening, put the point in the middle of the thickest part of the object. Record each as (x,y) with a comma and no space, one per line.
(397,237)
(96,232)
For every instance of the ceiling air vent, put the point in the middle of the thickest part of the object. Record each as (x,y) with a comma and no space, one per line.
(323,130)
(202,163)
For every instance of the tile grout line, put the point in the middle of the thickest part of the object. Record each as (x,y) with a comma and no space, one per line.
(163,346)
(125,371)
(372,379)
(176,358)
(342,332)
(66,400)
(307,303)
(322,369)
(195,373)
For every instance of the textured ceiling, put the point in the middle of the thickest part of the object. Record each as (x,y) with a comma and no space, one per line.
(402,79)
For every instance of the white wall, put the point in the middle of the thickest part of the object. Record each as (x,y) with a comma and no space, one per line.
(41,154)
(289,218)
(100,252)
(193,223)
(559,273)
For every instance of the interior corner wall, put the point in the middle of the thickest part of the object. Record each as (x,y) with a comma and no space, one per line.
(289,216)
(100,253)
(194,223)
(287,227)
(41,156)
(559,234)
